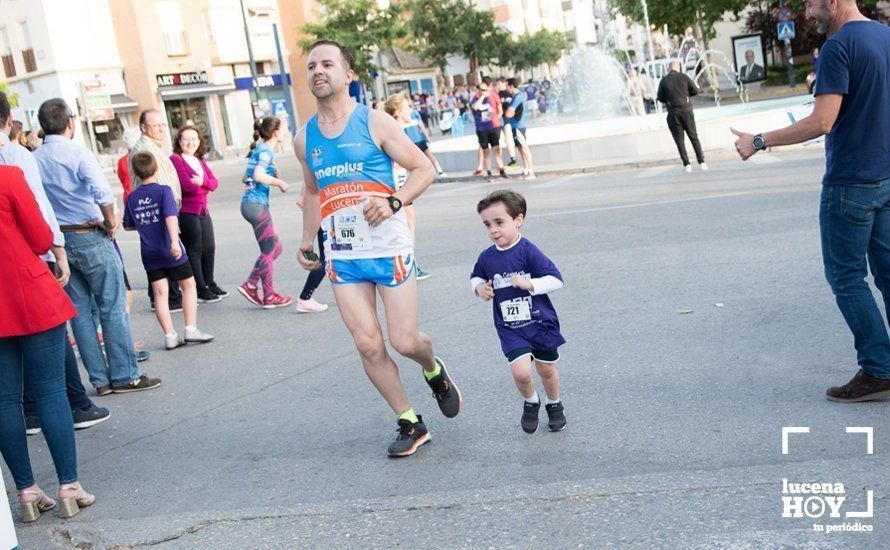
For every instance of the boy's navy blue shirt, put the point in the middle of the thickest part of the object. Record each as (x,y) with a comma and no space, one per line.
(541,331)
(146,210)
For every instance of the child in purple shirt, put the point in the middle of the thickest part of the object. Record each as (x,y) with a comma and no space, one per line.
(516,277)
(152,211)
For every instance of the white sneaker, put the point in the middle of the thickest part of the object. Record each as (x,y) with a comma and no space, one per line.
(172,341)
(310,306)
(197,337)
(688,168)
(704,166)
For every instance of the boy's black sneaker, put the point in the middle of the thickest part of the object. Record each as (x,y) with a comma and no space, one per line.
(503,174)
(445,391)
(411,437)
(207,296)
(530,416)
(557,417)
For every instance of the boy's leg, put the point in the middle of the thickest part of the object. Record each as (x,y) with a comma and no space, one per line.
(189,301)
(162,307)
(358,307)
(549,378)
(522,376)
(525,383)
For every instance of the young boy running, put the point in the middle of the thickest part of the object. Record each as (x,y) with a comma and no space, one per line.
(151,210)
(517,277)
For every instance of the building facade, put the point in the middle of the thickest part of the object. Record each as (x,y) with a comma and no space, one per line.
(53,48)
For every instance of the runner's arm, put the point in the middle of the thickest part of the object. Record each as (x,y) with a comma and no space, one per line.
(397,145)
(311,204)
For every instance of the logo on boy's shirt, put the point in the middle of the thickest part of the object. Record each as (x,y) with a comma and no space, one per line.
(503,281)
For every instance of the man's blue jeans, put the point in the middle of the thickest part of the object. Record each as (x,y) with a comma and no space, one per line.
(98,275)
(43,354)
(855,224)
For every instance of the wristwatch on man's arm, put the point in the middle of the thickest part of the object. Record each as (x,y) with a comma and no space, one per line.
(395,203)
(759,143)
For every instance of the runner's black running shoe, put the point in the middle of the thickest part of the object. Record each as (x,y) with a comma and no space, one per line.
(530,417)
(411,437)
(557,417)
(445,391)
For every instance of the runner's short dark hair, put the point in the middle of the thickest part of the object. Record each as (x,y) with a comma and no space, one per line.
(144,165)
(512,201)
(348,59)
(486,80)
(512,82)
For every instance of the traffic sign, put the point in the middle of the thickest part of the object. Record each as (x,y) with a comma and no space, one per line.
(786,31)
(785,14)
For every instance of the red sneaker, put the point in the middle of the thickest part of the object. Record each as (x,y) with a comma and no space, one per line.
(276,300)
(251,294)
(478,172)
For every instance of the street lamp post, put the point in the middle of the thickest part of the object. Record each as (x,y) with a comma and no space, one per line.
(253,73)
(648,30)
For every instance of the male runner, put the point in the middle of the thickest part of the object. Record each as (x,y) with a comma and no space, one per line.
(347,152)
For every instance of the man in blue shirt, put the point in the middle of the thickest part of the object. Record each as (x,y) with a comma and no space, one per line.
(84,412)
(853,108)
(84,205)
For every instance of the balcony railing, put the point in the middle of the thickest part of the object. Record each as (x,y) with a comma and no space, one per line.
(30,60)
(8,65)
(176,43)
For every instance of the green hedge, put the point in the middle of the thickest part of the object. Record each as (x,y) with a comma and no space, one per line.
(778,75)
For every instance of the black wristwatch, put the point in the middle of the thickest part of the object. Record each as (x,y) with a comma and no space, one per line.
(759,144)
(394,203)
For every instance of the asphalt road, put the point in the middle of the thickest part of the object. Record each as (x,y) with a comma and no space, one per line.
(272,437)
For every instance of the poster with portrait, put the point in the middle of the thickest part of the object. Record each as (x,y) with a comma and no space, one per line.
(749,54)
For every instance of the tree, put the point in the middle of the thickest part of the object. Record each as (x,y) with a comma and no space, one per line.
(679,15)
(436,31)
(10,95)
(362,26)
(532,50)
(440,28)
(762,19)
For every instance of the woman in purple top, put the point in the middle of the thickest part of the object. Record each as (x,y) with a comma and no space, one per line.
(197,182)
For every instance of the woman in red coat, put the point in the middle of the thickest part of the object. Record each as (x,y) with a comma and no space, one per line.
(33,313)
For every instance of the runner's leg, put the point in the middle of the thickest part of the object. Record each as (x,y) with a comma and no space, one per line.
(400,305)
(358,307)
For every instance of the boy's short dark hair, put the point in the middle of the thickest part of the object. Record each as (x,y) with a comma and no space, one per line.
(144,165)
(512,201)
(486,80)
(512,82)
